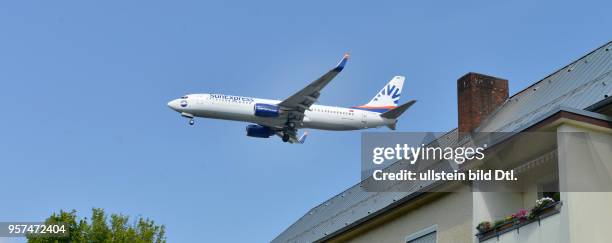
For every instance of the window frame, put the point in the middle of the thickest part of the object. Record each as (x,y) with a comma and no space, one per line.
(421,233)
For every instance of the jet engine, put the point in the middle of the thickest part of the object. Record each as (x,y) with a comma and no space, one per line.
(266,110)
(259,131)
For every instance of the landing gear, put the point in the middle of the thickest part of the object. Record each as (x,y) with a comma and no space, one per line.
(190,116)
(291,125)
(289,131)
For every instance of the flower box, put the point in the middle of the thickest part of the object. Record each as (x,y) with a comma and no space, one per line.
(543,208)
(505,226)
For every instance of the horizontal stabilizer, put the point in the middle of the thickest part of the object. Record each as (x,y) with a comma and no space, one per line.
(397,111)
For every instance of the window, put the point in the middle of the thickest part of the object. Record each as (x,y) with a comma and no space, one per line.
(428,238)
(427,235)
(549,188)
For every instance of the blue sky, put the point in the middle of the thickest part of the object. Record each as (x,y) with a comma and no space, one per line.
(85,86)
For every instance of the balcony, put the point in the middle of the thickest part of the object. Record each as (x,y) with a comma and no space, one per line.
(544,228)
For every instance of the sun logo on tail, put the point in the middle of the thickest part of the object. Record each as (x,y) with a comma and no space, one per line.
(391,91)
(388,97)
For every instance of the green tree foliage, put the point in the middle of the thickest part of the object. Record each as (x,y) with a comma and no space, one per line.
(102,230)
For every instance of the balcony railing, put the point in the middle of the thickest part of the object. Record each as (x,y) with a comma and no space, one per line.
(548,211)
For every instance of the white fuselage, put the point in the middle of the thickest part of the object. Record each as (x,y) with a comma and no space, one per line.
(238,108)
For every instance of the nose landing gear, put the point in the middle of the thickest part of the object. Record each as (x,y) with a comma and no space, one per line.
(190,116)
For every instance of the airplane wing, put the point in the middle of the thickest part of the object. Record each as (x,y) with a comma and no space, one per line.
(301,101)
(298,103)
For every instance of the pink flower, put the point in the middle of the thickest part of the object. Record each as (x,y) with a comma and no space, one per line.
(520,214)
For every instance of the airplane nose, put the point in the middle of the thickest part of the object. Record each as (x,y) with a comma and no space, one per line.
(173,105)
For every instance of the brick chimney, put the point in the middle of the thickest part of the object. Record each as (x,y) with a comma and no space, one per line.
(477,96)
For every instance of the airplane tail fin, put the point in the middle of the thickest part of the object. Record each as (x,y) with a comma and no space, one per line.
(396,112)
(387,98)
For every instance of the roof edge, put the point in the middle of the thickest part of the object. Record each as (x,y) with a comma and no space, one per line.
(561,69)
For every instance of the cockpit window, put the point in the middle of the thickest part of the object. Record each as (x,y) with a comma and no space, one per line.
(184,97)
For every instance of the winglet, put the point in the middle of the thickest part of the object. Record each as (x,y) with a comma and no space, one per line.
(342,63)
(303,137)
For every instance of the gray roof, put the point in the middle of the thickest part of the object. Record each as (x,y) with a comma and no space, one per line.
(576,86)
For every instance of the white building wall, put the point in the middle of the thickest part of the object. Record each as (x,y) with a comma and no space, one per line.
(585,161)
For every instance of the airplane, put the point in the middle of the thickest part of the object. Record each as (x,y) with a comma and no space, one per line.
(284,118)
